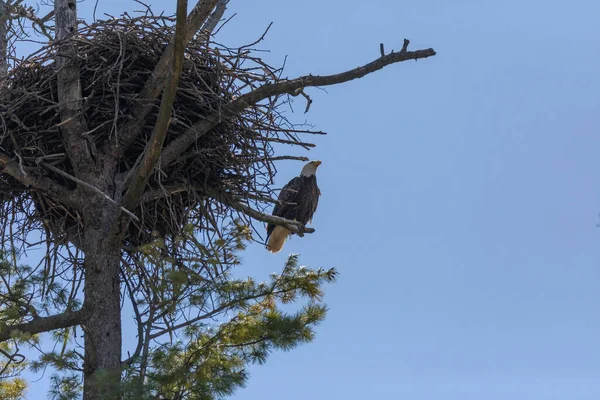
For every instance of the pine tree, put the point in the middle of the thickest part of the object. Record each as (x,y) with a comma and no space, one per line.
(141,154)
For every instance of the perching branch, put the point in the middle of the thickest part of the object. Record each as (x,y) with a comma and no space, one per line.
(45,324)
(293,87)
(156,82)
(69,88)
(294,226)
(152,152)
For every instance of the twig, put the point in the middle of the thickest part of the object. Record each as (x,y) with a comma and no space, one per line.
(405,46)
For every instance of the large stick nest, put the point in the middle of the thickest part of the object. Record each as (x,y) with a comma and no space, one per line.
(116,60)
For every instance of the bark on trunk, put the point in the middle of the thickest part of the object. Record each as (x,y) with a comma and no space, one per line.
(102,327)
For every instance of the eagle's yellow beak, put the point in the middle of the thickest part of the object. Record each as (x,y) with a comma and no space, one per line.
(317,163)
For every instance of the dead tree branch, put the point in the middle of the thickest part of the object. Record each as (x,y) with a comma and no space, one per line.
(293,87)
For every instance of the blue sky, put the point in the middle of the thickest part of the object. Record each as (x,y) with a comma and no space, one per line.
(460,198)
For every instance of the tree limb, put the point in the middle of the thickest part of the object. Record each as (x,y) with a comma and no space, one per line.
(293,87)
(154,147)
(45,324)
(215,17)
(34,180)
(156,82)
(69,88)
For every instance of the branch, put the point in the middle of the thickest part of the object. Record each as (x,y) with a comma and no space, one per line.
(229,305)
(215,17)
(69,87)
(39,25)
(152,152)
(156,82)
(292,87)
(41,183)
(46,324)
(169,190)
(294,226)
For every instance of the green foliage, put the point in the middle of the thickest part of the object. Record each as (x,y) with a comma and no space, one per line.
(66,387)
(12,389)
(199,325)
(14,305)
(208,361)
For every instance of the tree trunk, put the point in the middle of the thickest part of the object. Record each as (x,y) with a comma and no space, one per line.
(102,327)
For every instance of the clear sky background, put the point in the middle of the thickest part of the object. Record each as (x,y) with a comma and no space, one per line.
(460,198)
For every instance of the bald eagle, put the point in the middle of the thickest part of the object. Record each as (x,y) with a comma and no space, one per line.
(297,202)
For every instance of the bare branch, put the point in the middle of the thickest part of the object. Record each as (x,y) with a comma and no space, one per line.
(17,10)
(293,87)
(69,87)
(154,85)
(45,324)
(154,147)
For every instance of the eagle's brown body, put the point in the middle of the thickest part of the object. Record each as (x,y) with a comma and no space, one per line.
(297,201)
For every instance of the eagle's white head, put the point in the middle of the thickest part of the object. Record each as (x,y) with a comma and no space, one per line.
(310,169)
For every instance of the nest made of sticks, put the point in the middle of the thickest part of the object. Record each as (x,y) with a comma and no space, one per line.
(116,59)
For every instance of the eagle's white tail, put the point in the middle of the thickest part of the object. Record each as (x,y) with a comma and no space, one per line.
(277,239)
